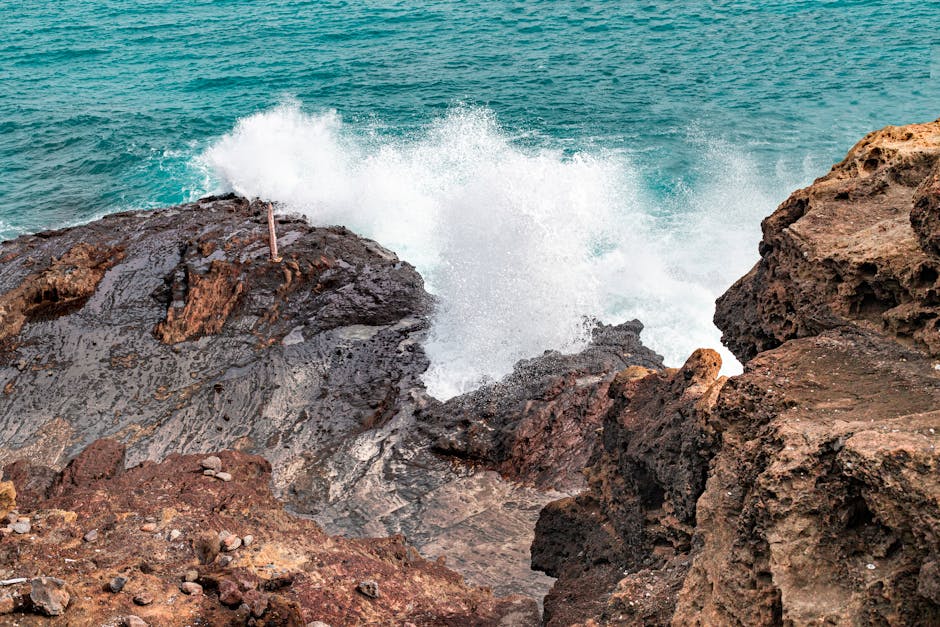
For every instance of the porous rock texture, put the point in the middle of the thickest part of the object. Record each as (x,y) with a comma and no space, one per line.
(843,252)
(818,500)
(148,521)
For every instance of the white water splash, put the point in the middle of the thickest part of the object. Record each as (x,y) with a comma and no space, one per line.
(521,246)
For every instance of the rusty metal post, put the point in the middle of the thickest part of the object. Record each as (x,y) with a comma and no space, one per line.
(272,235)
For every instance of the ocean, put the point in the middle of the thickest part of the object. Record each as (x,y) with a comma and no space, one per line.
(545,165)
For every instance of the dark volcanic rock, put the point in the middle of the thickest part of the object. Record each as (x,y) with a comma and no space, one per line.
(285,357)
(180,335)
(638,515)
(539,425)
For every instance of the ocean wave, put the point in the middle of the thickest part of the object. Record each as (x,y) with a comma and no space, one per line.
(523,246)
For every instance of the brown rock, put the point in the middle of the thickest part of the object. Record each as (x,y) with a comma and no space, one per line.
(7,498)
(925,215)
(210,298)
(843,252)
(191,587)
(231,543)
(639,510)
(102,459)
(134,621)
(143,598)
(49,596)
(230,593)
(63,286)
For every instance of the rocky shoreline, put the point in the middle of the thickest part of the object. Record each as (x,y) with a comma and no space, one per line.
(802,491)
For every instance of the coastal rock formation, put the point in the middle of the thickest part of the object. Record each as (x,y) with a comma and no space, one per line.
(843,252)
(539,424)
(638,515)
(818,493)
(125,544)
(180,335)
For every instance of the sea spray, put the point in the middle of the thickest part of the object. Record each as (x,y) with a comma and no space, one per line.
(524,246)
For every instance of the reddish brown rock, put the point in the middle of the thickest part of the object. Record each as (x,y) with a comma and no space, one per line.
(823,503)
(540,424)
(291,574)
(639,512)
(64,285)
(103,459)
(209,299)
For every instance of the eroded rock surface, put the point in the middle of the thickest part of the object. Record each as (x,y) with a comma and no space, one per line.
(635,522)
(148,522)
(843,251)
(822,500)
(539,425)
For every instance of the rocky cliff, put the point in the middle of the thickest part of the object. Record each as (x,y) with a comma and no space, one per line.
(806,490)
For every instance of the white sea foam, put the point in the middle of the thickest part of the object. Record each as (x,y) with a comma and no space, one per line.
(521,246)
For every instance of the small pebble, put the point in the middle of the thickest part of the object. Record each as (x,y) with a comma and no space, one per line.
(212,463)
(369,588)
(224,534)
(21,526)
(870,566)
(209,472)
(91,536)
(191,587)
(117,584)
(143,598)
(191,575)
(134,621)
(149,527)
(247,540)
(223,476)
(225,560)
(175,534)
(231,543)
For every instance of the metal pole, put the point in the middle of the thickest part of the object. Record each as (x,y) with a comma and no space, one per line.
(272,235)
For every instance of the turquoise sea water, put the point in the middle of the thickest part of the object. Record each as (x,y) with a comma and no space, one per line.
(634,144)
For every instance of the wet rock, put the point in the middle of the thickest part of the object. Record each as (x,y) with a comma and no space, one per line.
(49,596)
(212,463)
(369,588)
(191,587)
(539,425)
(117,584)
